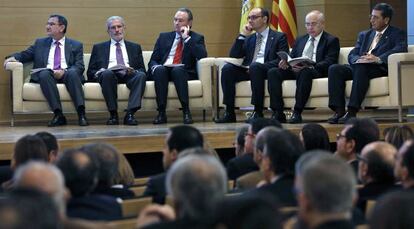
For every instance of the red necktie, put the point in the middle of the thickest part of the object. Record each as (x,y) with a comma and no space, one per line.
(178,52)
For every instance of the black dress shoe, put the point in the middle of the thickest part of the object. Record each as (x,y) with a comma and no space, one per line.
(334,118)
(346,117)
(296,118)
(130,120)
(57,120)
(83,121)
(254,116)
(279,116)
(113,120)
(161,118)
(187,119)
(228,117)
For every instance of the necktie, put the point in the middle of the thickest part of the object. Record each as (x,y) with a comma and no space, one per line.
(259,39)
(56,58)
(119,56)
(178,52)
(375,42)
(311,47)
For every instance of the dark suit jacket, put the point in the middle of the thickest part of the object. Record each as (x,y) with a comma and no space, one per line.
(241,165)
(123,193)
(372,191)
(394,40)
(337,224)
(194,50)
(327,52)
(156,188)
(94,207)
(100,57)
(276,41)
(38,53)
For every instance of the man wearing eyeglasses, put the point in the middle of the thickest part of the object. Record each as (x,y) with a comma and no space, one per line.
(258,45)
(368,60)
(57,59)
(319,46)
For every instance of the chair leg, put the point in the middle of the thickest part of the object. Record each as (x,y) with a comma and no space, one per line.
(204,115)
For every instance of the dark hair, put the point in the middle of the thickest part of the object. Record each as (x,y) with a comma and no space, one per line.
(241,133)
(259,123)
(378,168)
(386,10)
(265,13)
(49,140)
(315,137)
(80,171)
(363,131)
(393,210)
(107,158)
(397,135)
(188,11)
(183,137)
(61,19)
(30,147)
(284,149)
(408,159)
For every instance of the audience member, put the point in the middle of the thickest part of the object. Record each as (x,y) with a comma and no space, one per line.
(52,144)
(240,140)
(314,136)
(178,139)
(125,175)
(397,134)
(404,166)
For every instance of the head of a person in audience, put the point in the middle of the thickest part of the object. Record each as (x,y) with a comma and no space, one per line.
(28,208)
(314,23)
(239,141)
(397,134)
(393,210)
(281,151)
(197,151)
(179,138)
(52,144)
(314,136)
(196,184)
(381,16)
(80,170)
(404,165)
(357,133)
(255,126)
(125,174)
(258,19)
(116,28)
(183,17)
(44,177)
(325,188)
(27,148)
(376,163)
(107,158)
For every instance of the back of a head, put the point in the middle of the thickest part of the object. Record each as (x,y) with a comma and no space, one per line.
(49,140)
(196,183)
(80,171)
(408,158)
(107,158)
(363,131)
(380,159)
(394,210)
(397,135)
(315,137)
(29,147)
(241,133)
(183,137)
(258,124)
(125,174)
(329,184)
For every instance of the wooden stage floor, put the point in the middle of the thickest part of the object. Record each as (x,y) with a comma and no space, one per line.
(144,138)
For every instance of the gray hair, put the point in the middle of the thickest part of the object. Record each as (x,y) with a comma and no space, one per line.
(321,16)
(58,195)
(196,183)
(112,18)
(329,183)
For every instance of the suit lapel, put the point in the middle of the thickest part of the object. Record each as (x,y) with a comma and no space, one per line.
(301,45)
(46,50)
(106,49)
(269,43)
(321,47)
(170,42)
(68,49)
(383,39)
(368,42)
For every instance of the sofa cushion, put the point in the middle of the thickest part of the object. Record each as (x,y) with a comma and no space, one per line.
(32,92)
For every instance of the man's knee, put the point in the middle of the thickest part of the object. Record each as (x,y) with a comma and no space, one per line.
(255,67)
(274,75)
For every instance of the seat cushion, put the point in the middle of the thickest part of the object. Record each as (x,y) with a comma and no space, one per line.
(32,92)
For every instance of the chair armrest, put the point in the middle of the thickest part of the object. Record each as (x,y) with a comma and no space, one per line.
(205,75)
(407,70)
(16,81)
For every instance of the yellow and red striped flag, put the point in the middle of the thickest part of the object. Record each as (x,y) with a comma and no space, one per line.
(283,18)
(247,6)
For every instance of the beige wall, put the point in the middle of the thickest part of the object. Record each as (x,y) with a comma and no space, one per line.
(218,20)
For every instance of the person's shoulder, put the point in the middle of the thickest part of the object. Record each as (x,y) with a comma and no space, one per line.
(276,33)
(195,34)
(157,178)
(328,35)
(131,43)
(394,29)
(73,41)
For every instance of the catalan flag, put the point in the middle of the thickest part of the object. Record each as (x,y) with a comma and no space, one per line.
(283,18)
(247,6)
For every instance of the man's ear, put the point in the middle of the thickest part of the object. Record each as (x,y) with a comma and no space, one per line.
(174,154)
(350,146)
(404,173)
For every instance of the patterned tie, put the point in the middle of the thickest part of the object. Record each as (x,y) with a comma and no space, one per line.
(311,47)
(178,52)
(258,45)
(375,42)
(56,58)
(119,56)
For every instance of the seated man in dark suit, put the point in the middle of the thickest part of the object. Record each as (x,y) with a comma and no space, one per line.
(259,50)
(178,139)
(174,58)
(114,53)
(61,59)
(319,46)
(404,165)
(368,60)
